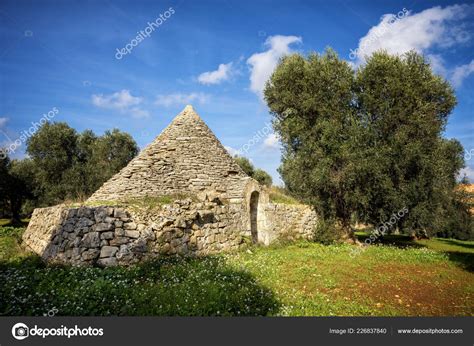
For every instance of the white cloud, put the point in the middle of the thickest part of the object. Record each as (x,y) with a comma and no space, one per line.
(3,121)
(232,151)
(263,64)
(437,64)
(436,27)
(120,100)
(222,73)
(271,141)
(181,99)
(462,72)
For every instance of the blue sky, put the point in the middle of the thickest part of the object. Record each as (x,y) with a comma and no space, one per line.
(215,55)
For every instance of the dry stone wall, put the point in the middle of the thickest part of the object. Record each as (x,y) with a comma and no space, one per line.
(291,222)
(121,235)
(124,235)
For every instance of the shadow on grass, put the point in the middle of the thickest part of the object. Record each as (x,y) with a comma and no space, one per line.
(463,259)
(14,223)
(166,287)
(401,241)
(457,243)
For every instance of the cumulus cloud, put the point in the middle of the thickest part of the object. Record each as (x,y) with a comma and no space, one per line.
(462,72)
(177,99)
(3,121)
(120,100)
(222,73)
(429,32)
(271,141)
(400,33)
(263,64)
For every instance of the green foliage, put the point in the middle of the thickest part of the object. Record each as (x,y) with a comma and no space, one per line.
(68,165)
(366,143)
(311,101)
(258,174)
(10,238)
(262,177)
(326,232)
(455,219)
(15,186)
(9,231)
(406,107)
(245,164)
(168,287)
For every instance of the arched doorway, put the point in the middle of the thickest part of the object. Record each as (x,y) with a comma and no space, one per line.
(254,216)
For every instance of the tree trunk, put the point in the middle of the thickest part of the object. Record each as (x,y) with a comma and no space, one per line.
(15,208)
(347,233)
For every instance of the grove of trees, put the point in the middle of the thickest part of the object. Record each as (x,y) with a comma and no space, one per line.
(61,164)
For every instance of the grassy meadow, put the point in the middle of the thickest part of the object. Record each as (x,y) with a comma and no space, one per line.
(398,277)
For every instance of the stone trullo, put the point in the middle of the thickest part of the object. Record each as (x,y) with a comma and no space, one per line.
(182,195)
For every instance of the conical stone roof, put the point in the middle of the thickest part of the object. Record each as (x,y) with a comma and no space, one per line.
(185,158)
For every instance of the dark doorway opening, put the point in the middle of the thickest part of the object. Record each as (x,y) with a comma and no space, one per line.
(254,216)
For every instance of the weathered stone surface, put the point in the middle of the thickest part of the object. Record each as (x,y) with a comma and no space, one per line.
(107,262)
(108,251)
(107,235)
(185,158)
(120,213)
(91,240)
(119,241)
(130,226)
(100,227)
(90,254)
(132,234)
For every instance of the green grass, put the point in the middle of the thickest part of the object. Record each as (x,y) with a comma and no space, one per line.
(278,195)
(301,279)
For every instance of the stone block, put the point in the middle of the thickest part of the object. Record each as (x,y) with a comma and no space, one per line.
(91,240)
(90,254)
(107,262)
(119,241)
(130,226)
(107,235)
(101,227)
(132,234)
(108,251)
(120,213)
